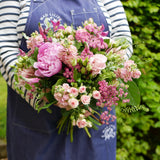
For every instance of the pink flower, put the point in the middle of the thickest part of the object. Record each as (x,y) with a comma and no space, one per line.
(68,29)
(73,102)
(136,73)
(58,96)
(56,25)
(72,50)
(35,41)
(82,89)
(22,53)
(96,94)
(82,35)
(85,99)
(28,76)
(32,80)
(98,62)
(74,91)
(81,123)
(48,62)
(66,86)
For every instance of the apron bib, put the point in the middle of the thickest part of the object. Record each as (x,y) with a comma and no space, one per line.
(34,136)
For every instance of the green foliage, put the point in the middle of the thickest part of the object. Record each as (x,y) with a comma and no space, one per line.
(138,133)
(3,100)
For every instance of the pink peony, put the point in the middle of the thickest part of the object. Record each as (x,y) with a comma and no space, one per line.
(85,99)
(96,94)
(73,102)
(81,123)
(98,62)
(48,62)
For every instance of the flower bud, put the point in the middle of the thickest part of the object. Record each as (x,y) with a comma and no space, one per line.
(85,61)
(83,70)
(20,65)
(89,67)
(79,61)
(20,60)
(74,62)
(25,57)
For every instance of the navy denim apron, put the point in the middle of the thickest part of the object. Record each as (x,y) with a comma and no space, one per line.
(33,136)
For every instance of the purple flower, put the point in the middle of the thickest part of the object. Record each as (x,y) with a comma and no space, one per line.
(48,62)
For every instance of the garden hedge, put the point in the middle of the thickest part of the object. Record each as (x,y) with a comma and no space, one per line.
(138,133)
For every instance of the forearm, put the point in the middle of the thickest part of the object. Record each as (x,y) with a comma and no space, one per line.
(10,14)
(119,23)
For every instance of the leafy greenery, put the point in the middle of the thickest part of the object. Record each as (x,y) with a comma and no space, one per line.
(138,133)
(3,99)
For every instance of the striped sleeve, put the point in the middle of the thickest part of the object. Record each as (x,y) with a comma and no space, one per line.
(119,23)
(9,16)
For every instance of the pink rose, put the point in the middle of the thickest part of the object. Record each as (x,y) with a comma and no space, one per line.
(82,89)
(98,62)
(48,62)
(96,94)
(81,123)
(74,91)
(66,86)
(85,99)
(58,96)
(73,102)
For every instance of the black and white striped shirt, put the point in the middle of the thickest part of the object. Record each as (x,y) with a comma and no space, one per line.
(13,18)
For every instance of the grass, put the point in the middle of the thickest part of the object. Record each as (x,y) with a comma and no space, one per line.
(3,102)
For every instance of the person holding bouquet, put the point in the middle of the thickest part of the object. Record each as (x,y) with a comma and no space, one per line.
(32,135)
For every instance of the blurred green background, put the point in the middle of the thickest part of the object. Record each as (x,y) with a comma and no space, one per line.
(3,99)
(138,135)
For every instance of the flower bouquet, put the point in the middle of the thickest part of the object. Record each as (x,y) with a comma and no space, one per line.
(81,70)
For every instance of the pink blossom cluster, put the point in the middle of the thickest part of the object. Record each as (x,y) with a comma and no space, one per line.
(106,117)
(67,96)
(109,95)
(92,35)
(68,73)
(128,72)
(68,55)
(81,122)
(34,41)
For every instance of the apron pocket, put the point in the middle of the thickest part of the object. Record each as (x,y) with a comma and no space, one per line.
(79,16)
(25,116)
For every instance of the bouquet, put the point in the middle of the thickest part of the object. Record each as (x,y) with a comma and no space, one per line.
(81,70)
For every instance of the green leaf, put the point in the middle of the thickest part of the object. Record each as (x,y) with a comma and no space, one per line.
(78,45)
(158,150)
(133,94)
(28,87)
(76,75)
(59,82)
(157,124)
(87,131)
(34,55)
(44,107)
